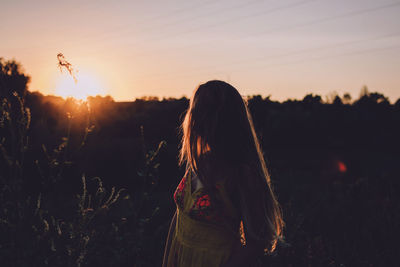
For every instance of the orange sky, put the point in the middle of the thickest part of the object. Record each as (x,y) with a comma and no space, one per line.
(282,48)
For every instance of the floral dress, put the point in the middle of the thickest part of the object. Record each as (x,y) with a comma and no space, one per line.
(207,226)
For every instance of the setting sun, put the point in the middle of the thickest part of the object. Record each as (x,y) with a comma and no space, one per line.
(85,85)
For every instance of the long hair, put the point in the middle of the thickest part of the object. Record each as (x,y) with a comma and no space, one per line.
(218,131)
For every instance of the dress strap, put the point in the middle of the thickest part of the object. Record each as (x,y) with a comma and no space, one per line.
(188,186)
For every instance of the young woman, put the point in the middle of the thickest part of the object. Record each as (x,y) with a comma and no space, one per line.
(227,213)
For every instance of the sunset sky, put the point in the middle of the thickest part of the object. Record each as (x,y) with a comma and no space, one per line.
(282,48)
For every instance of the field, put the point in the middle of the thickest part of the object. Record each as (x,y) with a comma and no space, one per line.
(91,183)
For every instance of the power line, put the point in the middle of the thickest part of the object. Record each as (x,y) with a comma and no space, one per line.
(292,53)
(181,10)
(184,20)
(212,12)
(240,18)
(330,18)
(235,19)
(373,50)
(152,18)
(164,16)
(367,51)
(309,23)
(340,16)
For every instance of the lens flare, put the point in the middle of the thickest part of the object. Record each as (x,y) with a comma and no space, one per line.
(341,166)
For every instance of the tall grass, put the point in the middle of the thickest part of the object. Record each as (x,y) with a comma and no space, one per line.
(36,230)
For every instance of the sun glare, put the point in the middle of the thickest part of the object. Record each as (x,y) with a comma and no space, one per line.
(86,85)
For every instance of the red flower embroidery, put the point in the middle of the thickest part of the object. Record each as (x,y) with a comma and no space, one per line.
(203,208)
(203,201)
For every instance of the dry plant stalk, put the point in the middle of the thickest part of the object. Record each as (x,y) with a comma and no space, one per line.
(63,63)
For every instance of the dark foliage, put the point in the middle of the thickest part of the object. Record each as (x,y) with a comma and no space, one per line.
(12,78)
(335,167)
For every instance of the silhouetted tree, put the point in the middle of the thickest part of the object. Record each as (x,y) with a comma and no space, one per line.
(311,100)
(12,78)
(347,98)
(337,101)
(364,91)
(330,97)
(373,99)
(397,104)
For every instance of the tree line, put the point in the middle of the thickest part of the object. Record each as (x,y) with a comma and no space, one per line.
(90,183)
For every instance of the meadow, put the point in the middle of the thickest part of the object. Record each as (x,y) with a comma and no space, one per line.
(90,183)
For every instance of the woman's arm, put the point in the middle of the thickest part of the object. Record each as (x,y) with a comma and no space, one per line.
(169,239)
